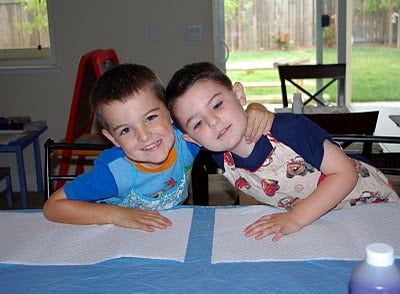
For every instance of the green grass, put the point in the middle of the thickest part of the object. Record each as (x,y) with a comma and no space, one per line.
(375,71)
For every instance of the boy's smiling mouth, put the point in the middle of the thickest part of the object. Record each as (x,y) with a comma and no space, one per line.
(223,131)
(153,146)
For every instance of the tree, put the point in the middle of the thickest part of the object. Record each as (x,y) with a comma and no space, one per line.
(38,9)
(235,15)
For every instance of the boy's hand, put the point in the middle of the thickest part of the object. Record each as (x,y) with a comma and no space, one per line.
(259,121)
(141,219)
(279,224)
(59,209)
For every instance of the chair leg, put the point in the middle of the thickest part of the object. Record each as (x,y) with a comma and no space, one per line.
(199,181)
(6,175)
(47,170)
(80,165)
(9,191)
(64,167)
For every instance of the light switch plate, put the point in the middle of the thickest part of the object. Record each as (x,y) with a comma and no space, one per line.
(194,32)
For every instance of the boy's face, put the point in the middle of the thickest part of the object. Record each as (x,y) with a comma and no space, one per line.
(142,127)
(212,115)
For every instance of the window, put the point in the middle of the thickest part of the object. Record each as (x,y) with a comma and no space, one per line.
(25,33)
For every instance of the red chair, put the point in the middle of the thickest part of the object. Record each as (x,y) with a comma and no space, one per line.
(80,128)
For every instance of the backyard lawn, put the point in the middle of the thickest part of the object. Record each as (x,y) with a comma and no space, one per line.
(375,72)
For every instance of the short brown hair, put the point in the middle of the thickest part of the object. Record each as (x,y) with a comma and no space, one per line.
(187,76)
(119,83)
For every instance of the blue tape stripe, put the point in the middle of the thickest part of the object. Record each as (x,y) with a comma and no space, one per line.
(199,247)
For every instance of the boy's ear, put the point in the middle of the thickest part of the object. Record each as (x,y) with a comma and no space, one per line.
(109,137)
(187,138)
(238,89)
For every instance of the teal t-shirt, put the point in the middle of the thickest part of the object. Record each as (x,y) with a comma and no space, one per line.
(115,179)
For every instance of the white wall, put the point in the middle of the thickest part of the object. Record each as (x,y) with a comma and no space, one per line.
(149,32)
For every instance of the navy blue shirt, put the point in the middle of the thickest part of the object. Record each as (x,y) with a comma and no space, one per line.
(294,130)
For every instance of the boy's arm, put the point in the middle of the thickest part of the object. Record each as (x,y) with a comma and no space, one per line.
(259,121)
(60,209)
(341,177)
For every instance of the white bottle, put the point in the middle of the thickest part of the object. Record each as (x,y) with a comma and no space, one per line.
(377,273)
(297,104)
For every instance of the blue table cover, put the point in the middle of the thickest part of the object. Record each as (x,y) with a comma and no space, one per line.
(195,275)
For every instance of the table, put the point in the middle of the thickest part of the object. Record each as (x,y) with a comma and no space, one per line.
(31,136)
(316,110)
(195,275)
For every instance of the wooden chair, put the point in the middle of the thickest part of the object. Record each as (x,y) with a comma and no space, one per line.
(293,73)
(80,126)
(352,123)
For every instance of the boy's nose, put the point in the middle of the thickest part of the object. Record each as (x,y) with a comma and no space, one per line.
(212,121)
(143,134)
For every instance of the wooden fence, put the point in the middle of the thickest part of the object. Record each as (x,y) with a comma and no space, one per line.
(12,13)
(269,24)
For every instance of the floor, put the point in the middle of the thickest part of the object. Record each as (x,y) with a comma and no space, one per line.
(222,193)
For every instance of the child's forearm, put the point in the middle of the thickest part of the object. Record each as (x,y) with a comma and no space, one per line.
(326,196)
(341,178)
(80,212)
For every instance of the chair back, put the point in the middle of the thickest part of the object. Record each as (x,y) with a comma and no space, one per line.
(351,123)
(354,123)
(50,148)
(293,73)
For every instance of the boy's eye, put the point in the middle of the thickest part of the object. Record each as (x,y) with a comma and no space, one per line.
(218,105)
(124,131)
(152,117)
(197,125)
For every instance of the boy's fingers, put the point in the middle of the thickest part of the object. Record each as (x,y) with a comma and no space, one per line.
(269,123)
(250,130)
(158,221)
(254,131)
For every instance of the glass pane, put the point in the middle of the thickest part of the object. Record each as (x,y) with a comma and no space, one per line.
(24,30)
(375,51)
(263,33)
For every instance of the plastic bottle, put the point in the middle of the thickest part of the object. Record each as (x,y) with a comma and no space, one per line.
(297,105)
(377,273)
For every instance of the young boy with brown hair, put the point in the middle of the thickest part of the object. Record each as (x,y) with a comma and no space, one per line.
(297,166)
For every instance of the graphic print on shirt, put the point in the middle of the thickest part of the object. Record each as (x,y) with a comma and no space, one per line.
(165,199)
(168,185)
(297,166)
(285,178)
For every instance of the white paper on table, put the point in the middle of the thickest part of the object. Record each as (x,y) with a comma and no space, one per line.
(28,238)
(340,234)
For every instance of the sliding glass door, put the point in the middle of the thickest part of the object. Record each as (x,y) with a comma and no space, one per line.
(364,34)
